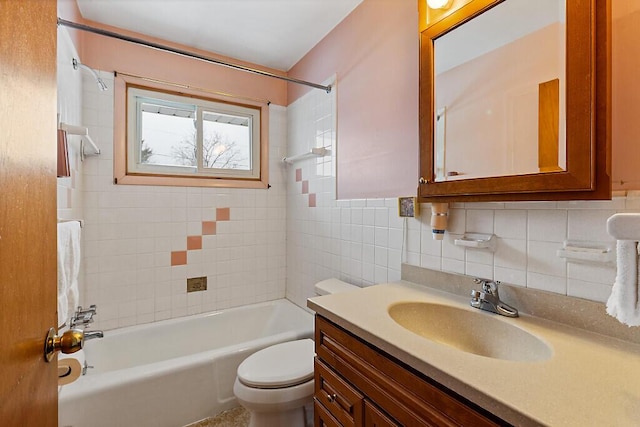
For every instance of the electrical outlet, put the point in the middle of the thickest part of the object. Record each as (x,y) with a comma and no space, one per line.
(408,207)
(196,284)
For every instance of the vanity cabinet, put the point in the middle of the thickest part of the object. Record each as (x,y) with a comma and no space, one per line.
(356,384)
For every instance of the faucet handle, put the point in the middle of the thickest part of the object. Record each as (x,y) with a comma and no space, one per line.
(476,297)
(490,286)
(83,316)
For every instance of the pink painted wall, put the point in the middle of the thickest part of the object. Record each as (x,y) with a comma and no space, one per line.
(374,53)
(492,105)
(626,94)
(104,53)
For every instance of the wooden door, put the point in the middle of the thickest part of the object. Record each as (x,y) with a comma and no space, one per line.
(28,385)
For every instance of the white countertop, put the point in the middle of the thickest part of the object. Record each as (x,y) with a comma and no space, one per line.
(589,380)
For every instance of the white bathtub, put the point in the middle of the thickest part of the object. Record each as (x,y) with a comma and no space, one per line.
(174,372)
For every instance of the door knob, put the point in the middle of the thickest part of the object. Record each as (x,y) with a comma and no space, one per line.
(70,342)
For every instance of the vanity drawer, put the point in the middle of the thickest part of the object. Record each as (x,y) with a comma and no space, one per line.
(343,401)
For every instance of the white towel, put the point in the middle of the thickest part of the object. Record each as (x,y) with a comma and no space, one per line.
(68,269)
(624,302)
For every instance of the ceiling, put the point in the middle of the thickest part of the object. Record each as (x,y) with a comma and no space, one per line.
(272,33)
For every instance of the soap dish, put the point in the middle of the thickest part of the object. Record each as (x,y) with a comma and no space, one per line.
(587,252)
(477,241)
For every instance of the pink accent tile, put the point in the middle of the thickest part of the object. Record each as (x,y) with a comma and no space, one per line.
(305,187)
(312,200)
(208,228)
(298,175)
(194,242)
(223,214)
(179,258)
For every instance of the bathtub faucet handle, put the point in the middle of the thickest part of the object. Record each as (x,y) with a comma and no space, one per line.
(83,316)
(85,367)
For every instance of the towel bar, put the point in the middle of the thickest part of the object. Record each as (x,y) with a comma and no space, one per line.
(624,226)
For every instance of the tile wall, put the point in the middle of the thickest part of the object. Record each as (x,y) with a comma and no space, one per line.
(141,243)
(69,83)
(364,241)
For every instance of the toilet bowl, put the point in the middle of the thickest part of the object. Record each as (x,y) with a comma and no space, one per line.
(275,384)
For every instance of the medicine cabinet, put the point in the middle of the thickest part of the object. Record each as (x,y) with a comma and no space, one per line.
(515,101)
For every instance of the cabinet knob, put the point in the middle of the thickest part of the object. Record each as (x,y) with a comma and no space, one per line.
(331,397)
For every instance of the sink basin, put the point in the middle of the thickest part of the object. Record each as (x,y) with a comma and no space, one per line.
(470,331)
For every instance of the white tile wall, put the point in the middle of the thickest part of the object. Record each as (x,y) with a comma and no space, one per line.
(69,104)
(364,242)
(130,232)
(359,241)
(69,82)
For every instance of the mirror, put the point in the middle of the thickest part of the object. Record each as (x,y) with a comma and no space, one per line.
(509,105)
(499,83)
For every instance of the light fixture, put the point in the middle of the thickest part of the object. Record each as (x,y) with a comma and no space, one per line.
(101,85)
(439,4)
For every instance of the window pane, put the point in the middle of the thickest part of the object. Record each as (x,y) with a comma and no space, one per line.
(226,141)
(168,134)
(176,136)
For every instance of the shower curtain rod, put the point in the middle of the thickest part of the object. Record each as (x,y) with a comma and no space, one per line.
(117,73)
(158,46)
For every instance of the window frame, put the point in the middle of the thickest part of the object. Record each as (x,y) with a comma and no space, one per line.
(124,152)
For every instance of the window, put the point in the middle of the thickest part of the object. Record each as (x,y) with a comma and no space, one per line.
(180,139)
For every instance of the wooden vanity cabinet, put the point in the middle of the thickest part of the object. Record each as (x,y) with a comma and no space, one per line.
(357,384)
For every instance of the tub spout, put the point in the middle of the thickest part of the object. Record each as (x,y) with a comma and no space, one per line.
(89,335)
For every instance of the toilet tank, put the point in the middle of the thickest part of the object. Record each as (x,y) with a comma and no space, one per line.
(333,286)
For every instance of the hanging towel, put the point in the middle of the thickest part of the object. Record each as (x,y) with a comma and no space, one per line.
(624,302)
(68,269)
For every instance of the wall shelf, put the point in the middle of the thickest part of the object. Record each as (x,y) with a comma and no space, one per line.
(314,152)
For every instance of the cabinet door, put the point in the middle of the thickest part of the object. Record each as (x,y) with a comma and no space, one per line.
(410,398)
(337,396)
(322,417)
(373,417)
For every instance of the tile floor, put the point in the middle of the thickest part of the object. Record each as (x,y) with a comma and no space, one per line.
(236,417)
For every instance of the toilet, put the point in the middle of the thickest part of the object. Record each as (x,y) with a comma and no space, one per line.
(275,384)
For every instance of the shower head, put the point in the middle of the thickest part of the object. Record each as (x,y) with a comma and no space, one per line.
(101,84)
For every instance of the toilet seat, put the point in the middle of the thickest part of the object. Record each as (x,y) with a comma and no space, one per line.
(281,365)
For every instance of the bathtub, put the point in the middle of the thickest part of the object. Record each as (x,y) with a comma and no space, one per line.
(174,372)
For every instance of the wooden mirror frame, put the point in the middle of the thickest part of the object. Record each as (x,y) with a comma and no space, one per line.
(588,115)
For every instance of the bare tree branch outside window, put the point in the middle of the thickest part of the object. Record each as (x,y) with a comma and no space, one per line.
(145,153)
(217,153)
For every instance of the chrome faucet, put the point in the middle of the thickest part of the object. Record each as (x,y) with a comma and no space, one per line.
(489,300)
(89,335)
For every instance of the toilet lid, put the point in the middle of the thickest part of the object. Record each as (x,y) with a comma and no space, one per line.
(281,365)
